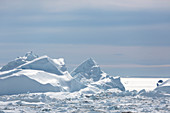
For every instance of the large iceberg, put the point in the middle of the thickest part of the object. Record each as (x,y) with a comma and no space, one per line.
(90,74)
(43,74)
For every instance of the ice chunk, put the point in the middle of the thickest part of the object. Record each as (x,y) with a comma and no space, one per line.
(164,87)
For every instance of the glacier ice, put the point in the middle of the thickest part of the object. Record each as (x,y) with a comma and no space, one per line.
(164,87)
(89,73)
(19,61)
(23,84)
(88,70)
(42,63)
(43,84)
(51,75)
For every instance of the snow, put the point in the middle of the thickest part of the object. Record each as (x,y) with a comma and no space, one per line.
(19,61)
(108,101)
(138,84)
(42,63)
(89,70)
(60,64)
(23,84)
(90,74)
(38,75)
(52,75)
(59,61)
(166,83)
(43,84)
(55,82)
(164,87)
(45,77)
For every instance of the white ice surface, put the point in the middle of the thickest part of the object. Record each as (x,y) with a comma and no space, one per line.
(138,84)
(27,80)
(90,74)
(34,84)
(42,63)
(29,56)
(107,102)
(45,77)
(59,61)
(164,87)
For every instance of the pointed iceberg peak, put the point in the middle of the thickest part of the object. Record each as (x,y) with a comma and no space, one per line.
(88,69)
(29,53)
(30,56)
(86,66)
(90,61)
(90,74)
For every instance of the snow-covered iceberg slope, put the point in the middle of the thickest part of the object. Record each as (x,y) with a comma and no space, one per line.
(43,63)
(32,81)
(164,87)
(90,74)
(42,74)
(19,61)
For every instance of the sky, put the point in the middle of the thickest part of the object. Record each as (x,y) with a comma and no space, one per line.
(126,38)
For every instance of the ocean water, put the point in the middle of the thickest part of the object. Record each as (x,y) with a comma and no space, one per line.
(141,83)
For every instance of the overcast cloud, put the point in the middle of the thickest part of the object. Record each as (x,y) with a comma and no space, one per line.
(127,37)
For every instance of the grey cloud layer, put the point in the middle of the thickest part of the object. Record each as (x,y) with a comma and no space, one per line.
(128,34)
(67,5)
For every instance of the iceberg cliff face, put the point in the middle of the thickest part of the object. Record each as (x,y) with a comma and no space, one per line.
(89,73)
(24,84)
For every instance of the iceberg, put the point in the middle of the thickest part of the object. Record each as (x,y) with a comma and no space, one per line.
(42,63)
(43,74)
(29,56)
(164,87)
(90,73)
